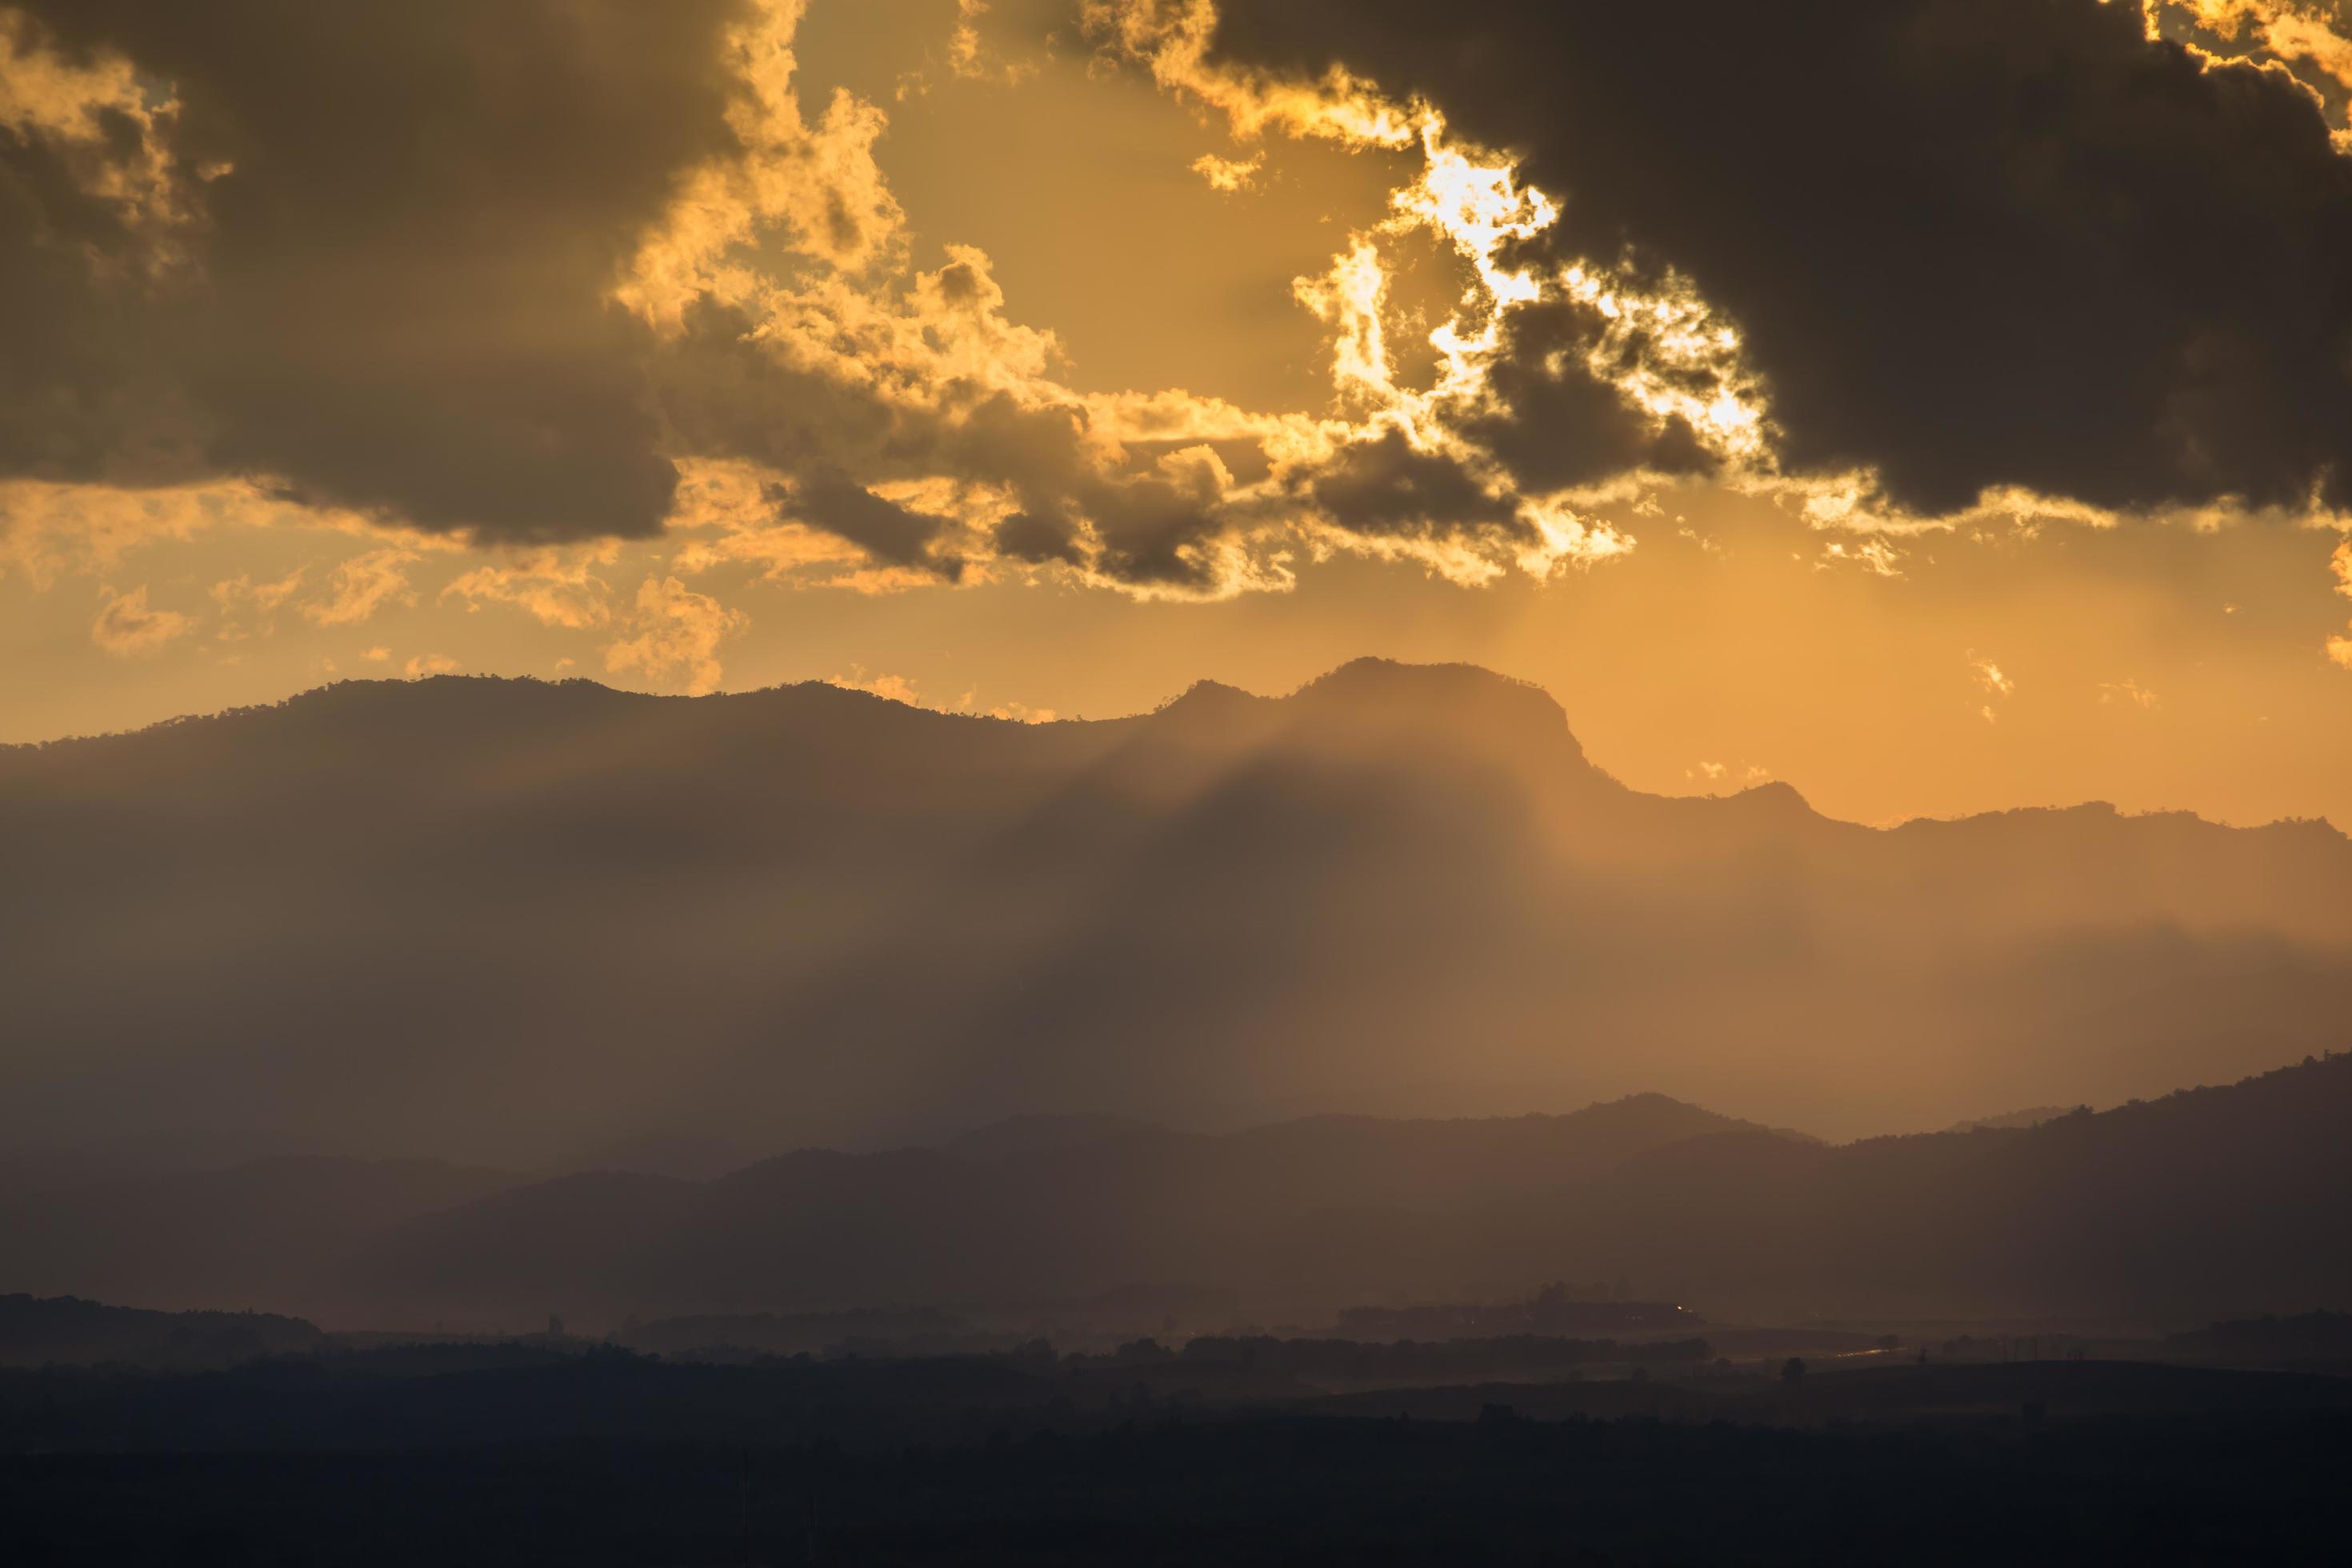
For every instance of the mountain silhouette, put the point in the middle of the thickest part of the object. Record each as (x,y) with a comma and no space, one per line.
(997,1222)
(1038,1133)
(514,923)
(2205,1203)
(991,1218)
(65,1330)
(250,1235)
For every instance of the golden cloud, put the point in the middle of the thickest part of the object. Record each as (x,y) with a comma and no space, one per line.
(359,587)
(677,635)
(127,628)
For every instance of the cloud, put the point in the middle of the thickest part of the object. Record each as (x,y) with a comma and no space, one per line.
(2128,693)
(819,185)
(250,608)
(1957,247)
(1875,556)
(1548,377)
(852,378)
(1387,484)
(627,257)
(679,633)
(519,274)
(127,628)
(361,250)
(1229,174)
(893,688)
(2299,36)
(359,587)
(973,58)
(426,664)
(886,531)
(2340,562)
(1997,683)
(555,588)
(1750,774)
(49,530)
(898,688)
(1021,713)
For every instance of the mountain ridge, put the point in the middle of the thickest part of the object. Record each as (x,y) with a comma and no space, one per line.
(2209,1201)
(1346,685)
(513,921)
(617,1242)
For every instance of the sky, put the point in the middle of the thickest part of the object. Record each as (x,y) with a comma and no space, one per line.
(1938,406)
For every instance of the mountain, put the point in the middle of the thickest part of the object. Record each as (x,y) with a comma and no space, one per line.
(999,1222)
(992,1219)
(68,1331)
(2033,1116)
(512,923)
(249,1236)
(2207,1203)
(1037,1133)
(690,1159)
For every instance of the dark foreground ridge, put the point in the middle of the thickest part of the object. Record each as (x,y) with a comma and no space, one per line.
(66,1331)
(395,1457)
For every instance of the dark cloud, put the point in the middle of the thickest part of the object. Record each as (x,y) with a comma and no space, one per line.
(1148,528)
(1151,532)
(80,394)
(1385,487)
(1969,242)
(393,299)
(1556,423)
(368,261)
(1038,538)
(722,391)
(889,532)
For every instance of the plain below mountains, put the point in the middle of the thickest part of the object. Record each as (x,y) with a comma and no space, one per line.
(512,923)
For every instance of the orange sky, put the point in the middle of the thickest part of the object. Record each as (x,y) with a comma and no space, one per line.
(1700,634)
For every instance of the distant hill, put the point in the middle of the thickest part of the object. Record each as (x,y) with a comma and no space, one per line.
(257,1234)
(692,1159)
(2034,1117)
(2204,1203)
(1052,1221)
(521,923)
(2207,1203)
(63,1332)
(2309,1339)
(1037,1133)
